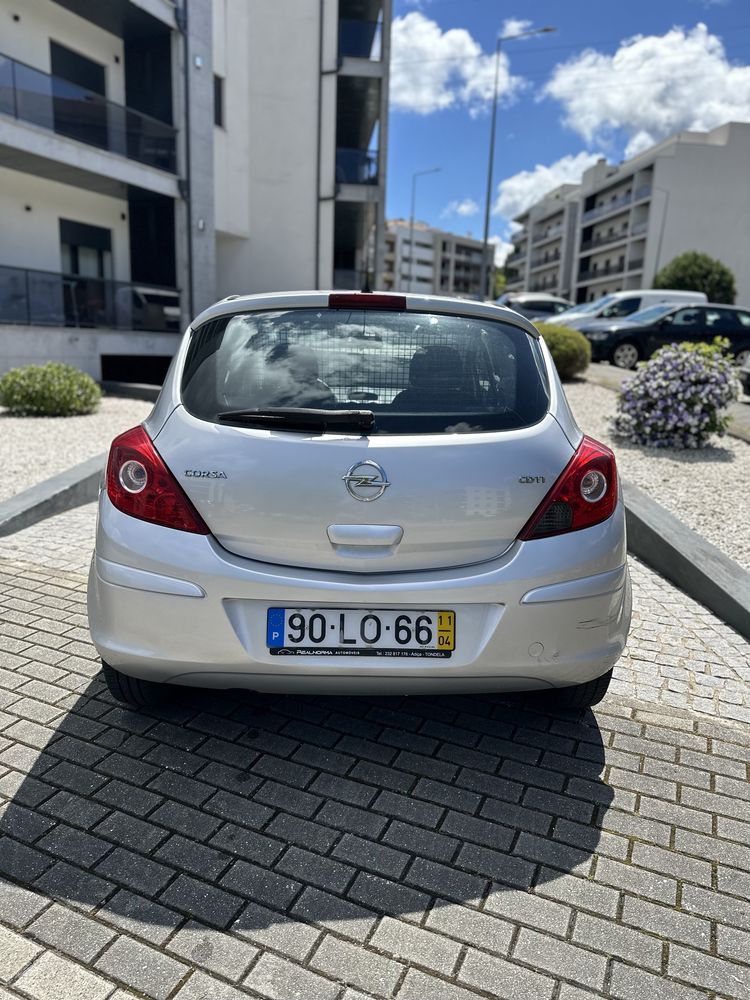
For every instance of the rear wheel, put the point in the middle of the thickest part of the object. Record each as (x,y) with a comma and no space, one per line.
(625,354)
(741,356)
(132,690)
(584,695)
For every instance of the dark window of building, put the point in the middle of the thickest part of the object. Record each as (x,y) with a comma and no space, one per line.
(219,100)
(77,69)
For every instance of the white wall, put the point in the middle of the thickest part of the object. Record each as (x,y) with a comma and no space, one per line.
(269,154)
(231,30)
(708,207)
(32,239)
(33,345)
(40,21)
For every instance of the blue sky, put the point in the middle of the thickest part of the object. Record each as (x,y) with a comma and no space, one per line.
(591,88)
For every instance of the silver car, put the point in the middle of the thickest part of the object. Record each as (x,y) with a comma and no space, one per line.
(360,493)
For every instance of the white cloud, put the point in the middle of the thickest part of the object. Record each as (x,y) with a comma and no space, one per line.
(432,69)
(517,193)
(652,86)
(502,249)
(515,26)
(465,208)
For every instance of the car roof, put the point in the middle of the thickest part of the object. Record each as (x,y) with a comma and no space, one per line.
(541,296)
(320,299)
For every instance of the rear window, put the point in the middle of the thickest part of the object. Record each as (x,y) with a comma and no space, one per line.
(416,372)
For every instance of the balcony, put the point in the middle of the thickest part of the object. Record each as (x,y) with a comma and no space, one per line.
(544,260)
(547,234)
(600,272)
(642,192)
(543,285)
(67,109)
(600,241)
(46,298)
(360,39)
(636,264)
(356,166)
(611,206)
(639,228)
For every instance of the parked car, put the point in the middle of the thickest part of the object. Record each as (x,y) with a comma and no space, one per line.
(535,305)
(635,338)
(617,305)
(358,493)
(744,374)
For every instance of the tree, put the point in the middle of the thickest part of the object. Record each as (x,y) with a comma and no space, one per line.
(697,272)
(500,282)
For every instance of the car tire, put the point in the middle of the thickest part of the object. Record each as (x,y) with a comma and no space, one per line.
(625,354)
(132,690)
(741,356)
(584,695)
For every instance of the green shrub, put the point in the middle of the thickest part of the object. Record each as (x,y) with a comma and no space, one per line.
(570,350)
(51,390)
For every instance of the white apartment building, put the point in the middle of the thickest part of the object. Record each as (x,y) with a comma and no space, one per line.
(689,192)
(545,245)
(156,156)
(441,263)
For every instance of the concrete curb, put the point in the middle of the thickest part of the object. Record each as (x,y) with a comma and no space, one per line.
(683,556)
(75,486)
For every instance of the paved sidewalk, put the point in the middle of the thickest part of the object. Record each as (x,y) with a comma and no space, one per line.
(323,849)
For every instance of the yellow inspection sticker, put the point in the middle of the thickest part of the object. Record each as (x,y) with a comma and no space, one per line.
(446,630)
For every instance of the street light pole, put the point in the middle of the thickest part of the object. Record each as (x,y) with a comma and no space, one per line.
(419,173)
(486,260)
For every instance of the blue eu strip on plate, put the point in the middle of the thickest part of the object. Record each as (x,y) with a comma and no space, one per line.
(275,627)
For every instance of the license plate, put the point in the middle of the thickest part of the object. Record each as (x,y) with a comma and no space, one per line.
(357,632)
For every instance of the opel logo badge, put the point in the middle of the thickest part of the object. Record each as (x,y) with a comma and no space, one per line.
(366,481)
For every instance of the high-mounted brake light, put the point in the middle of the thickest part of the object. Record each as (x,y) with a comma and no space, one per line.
(140,484)
(584,495)
(365,300)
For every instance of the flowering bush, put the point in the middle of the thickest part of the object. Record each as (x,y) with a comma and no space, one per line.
(677,399)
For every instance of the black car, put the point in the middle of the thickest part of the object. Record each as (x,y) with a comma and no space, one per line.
(626,341)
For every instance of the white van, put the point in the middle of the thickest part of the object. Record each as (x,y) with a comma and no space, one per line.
(619,304)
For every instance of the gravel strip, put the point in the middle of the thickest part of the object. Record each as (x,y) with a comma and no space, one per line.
(34,448)
(706,489)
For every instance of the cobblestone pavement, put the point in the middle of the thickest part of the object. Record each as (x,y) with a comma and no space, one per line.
(338,849)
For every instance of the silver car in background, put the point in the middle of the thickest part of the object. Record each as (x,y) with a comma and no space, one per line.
(360,493)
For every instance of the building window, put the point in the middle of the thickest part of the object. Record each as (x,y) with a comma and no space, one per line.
(219,100)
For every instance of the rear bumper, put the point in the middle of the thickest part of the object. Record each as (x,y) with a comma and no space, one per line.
(173,607)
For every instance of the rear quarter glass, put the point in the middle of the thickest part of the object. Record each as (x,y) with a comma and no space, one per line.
(416,372)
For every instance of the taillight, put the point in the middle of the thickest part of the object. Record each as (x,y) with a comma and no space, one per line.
(366,300)
(585,494)
(140,484)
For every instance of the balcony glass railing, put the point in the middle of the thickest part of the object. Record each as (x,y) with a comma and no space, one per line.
(45,298)
(595,273)
(642,192)
(544,260)
(546,234)
(356,166)
(360,39)
(610,206)
(600,241)
(65,108)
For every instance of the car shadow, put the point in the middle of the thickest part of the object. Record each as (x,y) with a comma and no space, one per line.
(245,811)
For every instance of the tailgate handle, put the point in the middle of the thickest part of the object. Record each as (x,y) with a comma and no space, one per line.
(382,535)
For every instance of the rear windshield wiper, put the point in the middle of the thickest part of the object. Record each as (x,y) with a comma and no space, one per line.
(300,418)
